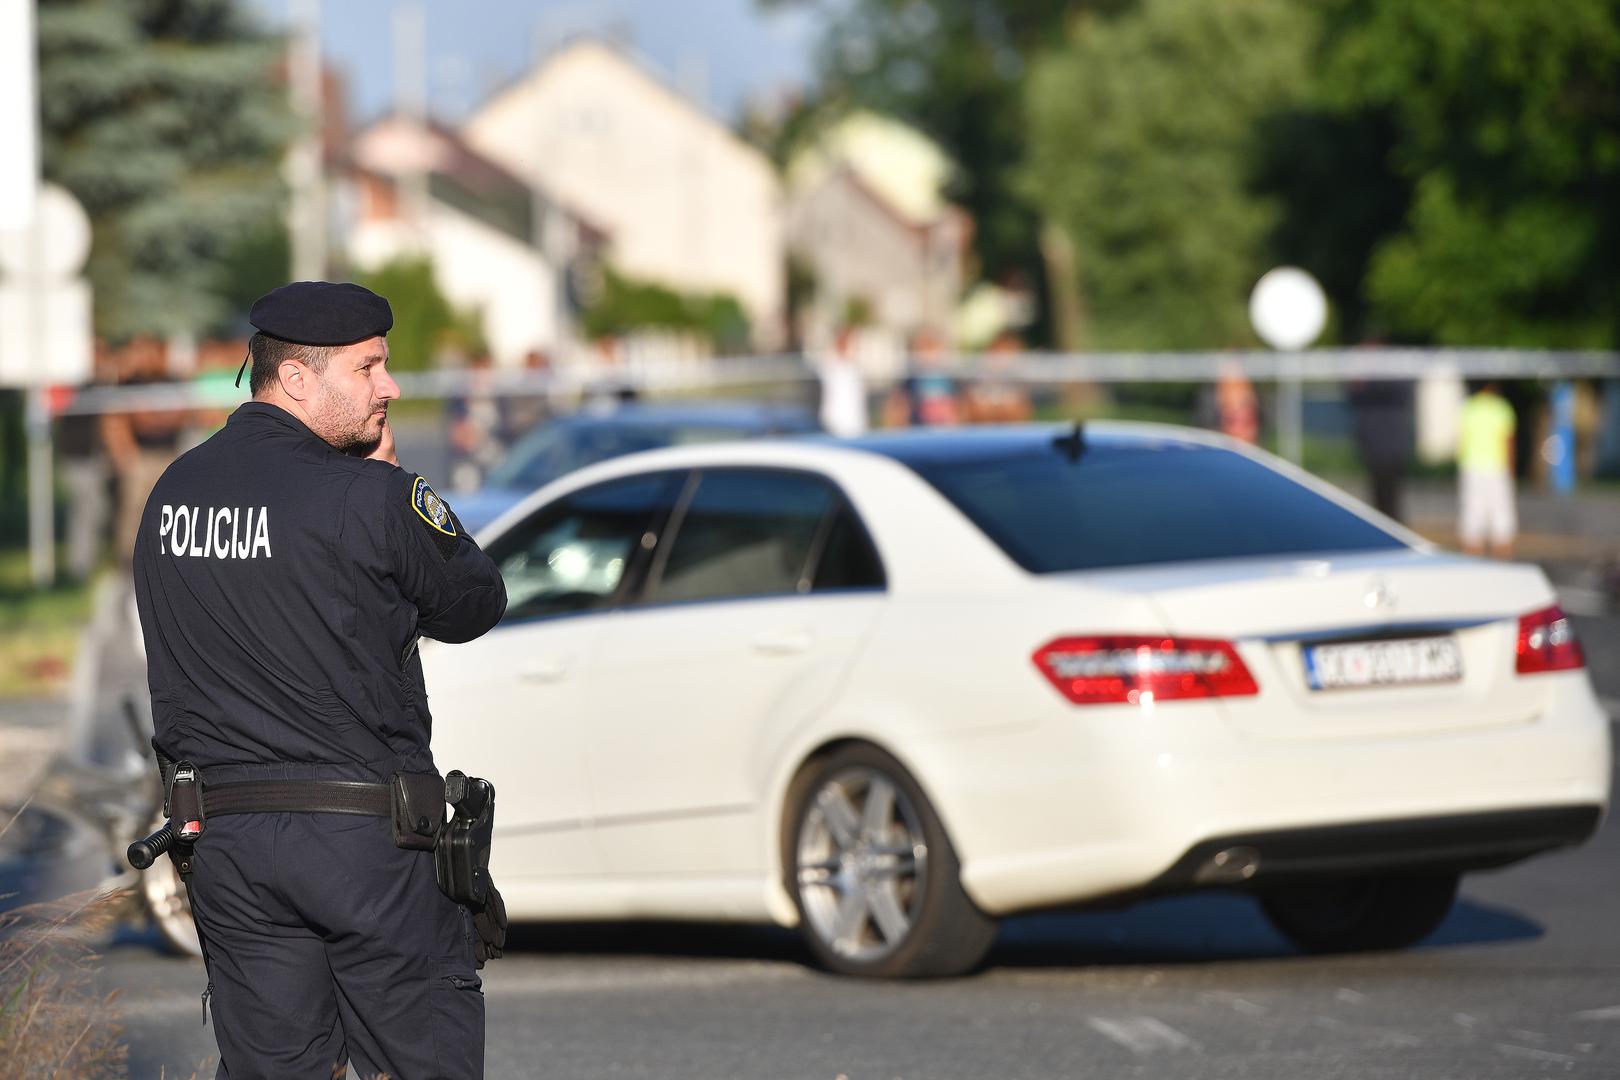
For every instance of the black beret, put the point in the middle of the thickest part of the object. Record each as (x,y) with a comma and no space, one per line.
(322,313)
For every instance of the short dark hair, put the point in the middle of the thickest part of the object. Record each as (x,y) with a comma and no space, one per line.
(269,352)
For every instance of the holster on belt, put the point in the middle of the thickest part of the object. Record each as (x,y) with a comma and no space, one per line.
(183,809)
(462,855)
(462,861)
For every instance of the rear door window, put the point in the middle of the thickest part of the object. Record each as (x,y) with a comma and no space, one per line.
(846,558)
(1133,502)
(581,552)
(744,532)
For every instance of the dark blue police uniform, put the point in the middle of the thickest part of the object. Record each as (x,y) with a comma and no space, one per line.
(282,586)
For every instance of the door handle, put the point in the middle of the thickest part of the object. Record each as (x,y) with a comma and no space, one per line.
(545,670)
(783,642)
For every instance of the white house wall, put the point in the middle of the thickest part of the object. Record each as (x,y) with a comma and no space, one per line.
(685,201)
(856,249)
(478,267)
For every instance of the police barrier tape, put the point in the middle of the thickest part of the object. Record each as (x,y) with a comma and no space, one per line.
(1033,368)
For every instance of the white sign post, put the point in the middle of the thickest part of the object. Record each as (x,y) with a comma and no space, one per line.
(19,187)
(19,114)
(1288,310)
(44,339)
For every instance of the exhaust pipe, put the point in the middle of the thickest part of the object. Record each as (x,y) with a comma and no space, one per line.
(1229,866)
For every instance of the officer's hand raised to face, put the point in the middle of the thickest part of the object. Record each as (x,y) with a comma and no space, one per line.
(384,450)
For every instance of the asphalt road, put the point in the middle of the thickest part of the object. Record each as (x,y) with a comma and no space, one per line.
(1522,980)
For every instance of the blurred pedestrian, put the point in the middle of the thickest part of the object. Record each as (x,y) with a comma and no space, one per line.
(928,396)
(612,385)
(843,389)
(530,406)
(213,387)
(996,396)
(142,441)
(1609,576)
(475,426)
(87,477)
(1237,407)
(1486,499)
(1381,412)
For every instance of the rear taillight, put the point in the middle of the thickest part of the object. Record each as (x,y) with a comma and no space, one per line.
(1139,670)
(1547,642)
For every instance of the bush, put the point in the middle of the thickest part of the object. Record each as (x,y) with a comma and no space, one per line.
(625,305)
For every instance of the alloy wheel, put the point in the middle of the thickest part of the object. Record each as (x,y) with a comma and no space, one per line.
(862,864)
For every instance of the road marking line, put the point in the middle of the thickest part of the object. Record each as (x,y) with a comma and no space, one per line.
(1142,1034)
(1530,1054)
(1238,1003)
(1349,996)
(1611,1013)
(1397,1038)
(1384,1037)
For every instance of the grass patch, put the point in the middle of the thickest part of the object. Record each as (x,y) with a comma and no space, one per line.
(39,629)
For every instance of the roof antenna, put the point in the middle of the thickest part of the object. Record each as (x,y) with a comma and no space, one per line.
(1073,443)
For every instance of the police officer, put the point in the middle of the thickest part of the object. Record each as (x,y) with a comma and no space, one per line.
(284,570)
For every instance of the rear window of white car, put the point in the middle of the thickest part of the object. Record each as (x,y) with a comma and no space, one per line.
(1134,502)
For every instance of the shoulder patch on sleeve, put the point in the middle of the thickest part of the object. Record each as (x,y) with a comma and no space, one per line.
(432,509)
(441,525)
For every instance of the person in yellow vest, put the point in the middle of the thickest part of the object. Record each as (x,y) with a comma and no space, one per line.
(1485,473)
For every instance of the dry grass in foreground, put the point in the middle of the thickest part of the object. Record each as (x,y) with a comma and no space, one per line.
(54,1022)
(53,1019)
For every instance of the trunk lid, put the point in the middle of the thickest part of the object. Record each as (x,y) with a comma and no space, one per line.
(1276,610)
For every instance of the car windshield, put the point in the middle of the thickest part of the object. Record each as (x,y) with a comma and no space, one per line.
(566,445)
(1133,502)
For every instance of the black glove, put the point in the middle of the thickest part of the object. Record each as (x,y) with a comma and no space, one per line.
(489,926)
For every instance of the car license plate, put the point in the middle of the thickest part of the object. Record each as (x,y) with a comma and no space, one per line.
(1383,663)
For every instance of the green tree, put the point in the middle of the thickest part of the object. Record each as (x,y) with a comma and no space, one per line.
(424,321)
(165,119)
(1142,143)
(1506,120)
(626,305)
(1339,197)
(955,69)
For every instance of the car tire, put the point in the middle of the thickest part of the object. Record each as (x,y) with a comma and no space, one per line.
(873,874)
(1389,911)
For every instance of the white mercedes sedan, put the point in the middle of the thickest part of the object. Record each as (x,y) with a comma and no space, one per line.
(892,690)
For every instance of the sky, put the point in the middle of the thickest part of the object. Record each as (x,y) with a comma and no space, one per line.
(724,52)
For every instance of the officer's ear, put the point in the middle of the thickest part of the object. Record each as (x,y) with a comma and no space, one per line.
(295,380)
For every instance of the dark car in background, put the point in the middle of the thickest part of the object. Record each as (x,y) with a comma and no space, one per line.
(571,442)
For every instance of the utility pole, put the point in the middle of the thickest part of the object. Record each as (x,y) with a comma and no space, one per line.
(410,98)
(551,233)
(306,165)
